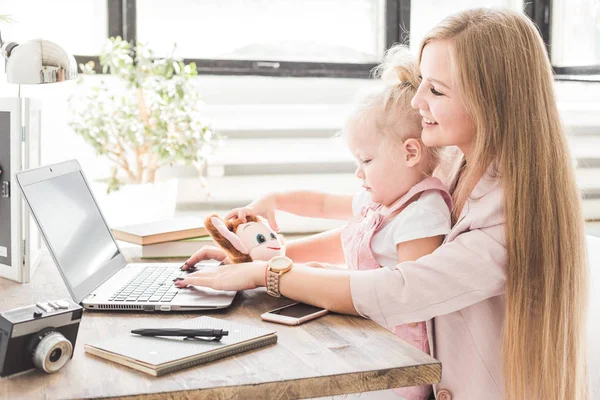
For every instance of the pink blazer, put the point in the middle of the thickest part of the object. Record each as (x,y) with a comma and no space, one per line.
(461,288)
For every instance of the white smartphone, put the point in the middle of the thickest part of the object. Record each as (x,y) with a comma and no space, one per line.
(294,314)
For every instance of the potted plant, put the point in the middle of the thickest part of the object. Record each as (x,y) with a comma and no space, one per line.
(144,114)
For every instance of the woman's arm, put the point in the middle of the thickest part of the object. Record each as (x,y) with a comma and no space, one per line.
(325,288)
(330,289)
(458,274)
(324,247)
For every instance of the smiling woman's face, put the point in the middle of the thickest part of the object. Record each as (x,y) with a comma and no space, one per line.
(446,121)
(261,240)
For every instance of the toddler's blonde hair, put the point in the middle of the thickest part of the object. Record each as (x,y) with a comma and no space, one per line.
(388,106)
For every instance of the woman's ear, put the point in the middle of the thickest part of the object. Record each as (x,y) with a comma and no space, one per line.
(413,151)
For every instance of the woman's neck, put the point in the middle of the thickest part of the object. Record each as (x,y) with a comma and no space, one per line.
(466,150)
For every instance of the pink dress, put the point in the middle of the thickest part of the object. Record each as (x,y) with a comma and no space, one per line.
(356,243)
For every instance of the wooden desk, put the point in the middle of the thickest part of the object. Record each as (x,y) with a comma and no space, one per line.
(335,354)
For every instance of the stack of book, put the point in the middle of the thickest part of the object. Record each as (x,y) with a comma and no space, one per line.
(182,237)
(173,238)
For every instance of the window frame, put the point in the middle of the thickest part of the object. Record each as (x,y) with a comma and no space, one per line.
(122,21)
(540,12)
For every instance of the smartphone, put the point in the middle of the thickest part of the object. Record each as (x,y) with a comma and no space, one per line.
(294,314)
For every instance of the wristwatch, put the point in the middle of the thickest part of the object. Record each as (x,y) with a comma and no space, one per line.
(276,267)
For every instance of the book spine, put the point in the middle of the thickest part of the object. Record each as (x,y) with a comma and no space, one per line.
(217,356)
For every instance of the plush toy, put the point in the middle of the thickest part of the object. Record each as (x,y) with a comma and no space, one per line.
(245,241)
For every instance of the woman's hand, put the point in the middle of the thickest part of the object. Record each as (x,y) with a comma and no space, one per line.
(264,207)
(228,277)
(206,253)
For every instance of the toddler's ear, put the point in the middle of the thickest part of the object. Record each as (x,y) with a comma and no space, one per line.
(413,151)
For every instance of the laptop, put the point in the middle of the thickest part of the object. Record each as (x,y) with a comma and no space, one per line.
(88,257)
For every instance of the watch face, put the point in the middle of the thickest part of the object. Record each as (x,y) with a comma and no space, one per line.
(279,263)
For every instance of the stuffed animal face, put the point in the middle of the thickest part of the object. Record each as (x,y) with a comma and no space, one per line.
(245,241)
(260,240)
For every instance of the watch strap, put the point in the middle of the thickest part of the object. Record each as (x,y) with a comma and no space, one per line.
(273,283)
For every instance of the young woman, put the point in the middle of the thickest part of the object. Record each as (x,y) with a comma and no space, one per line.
(507,290)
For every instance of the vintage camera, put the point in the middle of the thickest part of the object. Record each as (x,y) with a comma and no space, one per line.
(40,336)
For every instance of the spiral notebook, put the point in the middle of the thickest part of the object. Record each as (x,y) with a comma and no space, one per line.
(162,355)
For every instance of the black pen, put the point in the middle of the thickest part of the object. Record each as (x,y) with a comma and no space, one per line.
(216,333)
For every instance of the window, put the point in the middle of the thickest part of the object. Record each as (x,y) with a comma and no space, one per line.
(425,14)
(313,38)
(574,36)
(571,31)
(270,30)
(269,37)
(337,38)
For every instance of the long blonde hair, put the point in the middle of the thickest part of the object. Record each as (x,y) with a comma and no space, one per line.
(503,72)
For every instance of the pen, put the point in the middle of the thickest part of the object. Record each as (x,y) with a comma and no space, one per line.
(217,333)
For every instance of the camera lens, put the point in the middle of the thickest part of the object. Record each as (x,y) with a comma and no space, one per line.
(52,352)
(55,355)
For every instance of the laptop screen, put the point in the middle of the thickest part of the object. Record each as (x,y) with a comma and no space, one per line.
(73,227)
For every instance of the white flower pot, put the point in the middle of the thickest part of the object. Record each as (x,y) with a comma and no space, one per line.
(137,203)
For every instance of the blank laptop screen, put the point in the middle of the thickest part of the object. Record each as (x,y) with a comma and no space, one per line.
(73,226)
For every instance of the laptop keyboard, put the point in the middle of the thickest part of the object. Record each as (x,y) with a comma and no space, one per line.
(154,284)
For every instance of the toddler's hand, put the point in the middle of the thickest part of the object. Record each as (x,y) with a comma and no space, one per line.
(264,207)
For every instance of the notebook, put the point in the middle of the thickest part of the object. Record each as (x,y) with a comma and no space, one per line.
(161,231)
(162,355)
